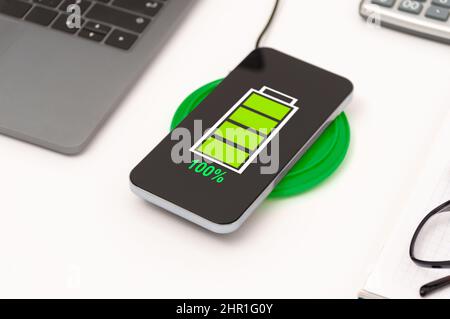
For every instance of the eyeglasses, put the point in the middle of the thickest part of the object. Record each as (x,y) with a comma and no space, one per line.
(430,246)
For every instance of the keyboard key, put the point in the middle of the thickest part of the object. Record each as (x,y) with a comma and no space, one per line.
(91,35)
(442,3)
(62,24)
(41,16)
(121,40)
(14,8)
(49,3)
(98,27)
(84,5)
(118,18)
(437,13)
(149,8)
(384,3)
(411,6)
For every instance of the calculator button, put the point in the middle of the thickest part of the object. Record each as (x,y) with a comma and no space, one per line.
(384,3)
(442,3)
(411,6)
(437,13)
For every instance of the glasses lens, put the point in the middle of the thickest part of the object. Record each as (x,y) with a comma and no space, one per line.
(433,242)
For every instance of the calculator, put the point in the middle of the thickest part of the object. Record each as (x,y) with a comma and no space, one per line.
(426,18)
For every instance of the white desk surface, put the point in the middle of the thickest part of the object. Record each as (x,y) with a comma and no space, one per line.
(70,227)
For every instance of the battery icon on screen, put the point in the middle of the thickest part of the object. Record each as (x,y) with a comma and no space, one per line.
(246,129)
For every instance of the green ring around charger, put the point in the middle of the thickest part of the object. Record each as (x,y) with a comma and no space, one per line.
(316,165)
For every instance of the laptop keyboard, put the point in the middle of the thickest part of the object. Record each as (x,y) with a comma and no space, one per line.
(116,23)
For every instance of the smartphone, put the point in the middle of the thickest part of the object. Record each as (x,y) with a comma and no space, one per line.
(230,152)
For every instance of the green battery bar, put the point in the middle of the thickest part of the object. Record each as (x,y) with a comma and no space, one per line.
(246,129)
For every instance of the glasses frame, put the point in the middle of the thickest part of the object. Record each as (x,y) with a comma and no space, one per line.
(423,263)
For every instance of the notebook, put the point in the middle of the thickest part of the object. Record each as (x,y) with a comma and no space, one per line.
(395,275)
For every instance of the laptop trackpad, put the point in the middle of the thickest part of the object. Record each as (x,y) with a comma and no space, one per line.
(9,33)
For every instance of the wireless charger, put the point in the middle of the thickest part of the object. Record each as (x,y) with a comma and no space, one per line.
(320,162)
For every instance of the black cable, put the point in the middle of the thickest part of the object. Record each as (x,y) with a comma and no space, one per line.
(269,22)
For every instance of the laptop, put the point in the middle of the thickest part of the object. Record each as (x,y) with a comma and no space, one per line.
(60,81)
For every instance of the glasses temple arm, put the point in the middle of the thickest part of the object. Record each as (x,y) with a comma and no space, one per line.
(434,286)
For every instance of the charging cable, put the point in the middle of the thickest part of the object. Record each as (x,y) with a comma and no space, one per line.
(269,22)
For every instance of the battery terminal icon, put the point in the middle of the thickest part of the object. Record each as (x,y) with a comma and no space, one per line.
(246,129)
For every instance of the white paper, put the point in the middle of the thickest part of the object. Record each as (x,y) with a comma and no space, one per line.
(395,275)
